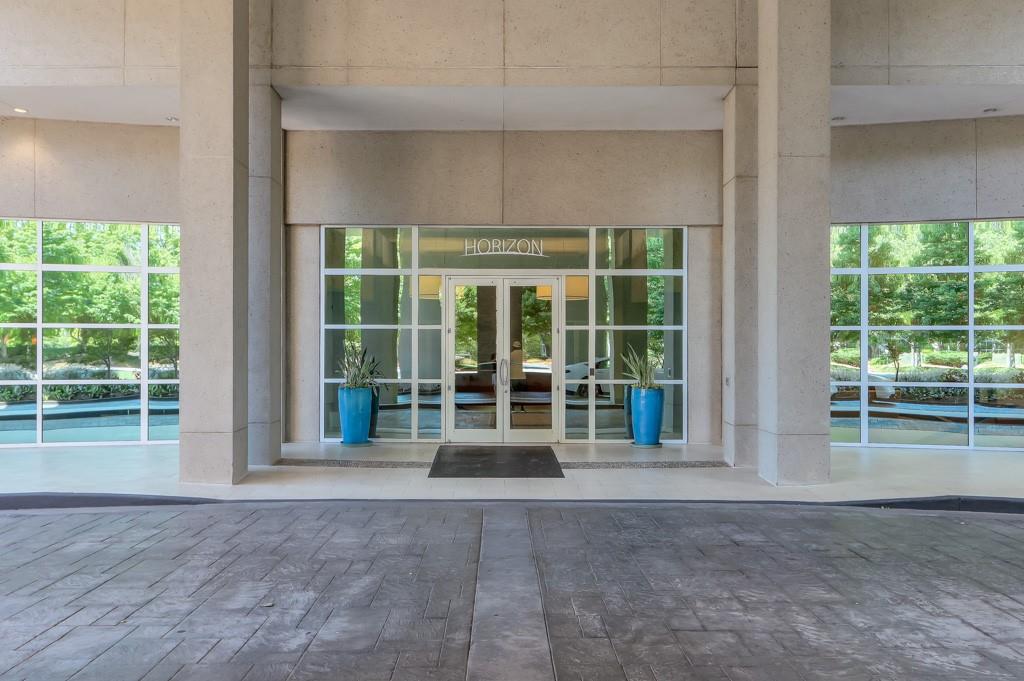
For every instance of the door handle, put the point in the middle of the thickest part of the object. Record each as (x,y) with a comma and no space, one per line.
(503,372)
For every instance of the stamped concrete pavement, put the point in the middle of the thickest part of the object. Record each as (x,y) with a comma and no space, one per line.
(380,591)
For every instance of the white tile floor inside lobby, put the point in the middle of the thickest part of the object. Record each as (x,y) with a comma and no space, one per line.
(857,474)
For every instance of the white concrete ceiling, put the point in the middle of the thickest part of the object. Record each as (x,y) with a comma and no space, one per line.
(513,108)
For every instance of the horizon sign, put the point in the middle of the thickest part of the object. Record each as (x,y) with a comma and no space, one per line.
(529,247)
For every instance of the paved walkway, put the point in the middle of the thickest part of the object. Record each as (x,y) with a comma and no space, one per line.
(856,474)
(447,591)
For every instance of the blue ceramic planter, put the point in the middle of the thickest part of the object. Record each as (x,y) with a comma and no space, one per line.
(646,405)
(355,405)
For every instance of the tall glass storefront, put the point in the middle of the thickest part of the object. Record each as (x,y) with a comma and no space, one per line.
(504,334)
(88,332)
(927,342)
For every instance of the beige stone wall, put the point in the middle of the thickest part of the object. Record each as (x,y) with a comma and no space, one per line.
(921,171)
(512,42)
(89,42)
(917,42)
(89,171)
(522,178)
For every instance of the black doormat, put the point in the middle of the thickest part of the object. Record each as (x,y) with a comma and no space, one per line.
(492,461)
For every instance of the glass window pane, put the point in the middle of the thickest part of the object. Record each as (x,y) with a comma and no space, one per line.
(164,246)
(163,411)
(18,242)
(17,414)
(91,413)
(610,414)
(92,243)
(164,298)
(999,417)
(844,357)
(91,298)
(999,356)
(429,416)
(393,416)
(999,298)
(368,248)
(917,299)
(845,413)
(430,299)
(933,244)
(673,417)
(917,416)
(366,299)
(17,297)
(17,354)
(999,243)
(845,300)
(665,348)
(92,354)
(577,300)
(577,411)
(577,355)
(394,412)
(845,246)
(390,347)
(641,248)
(503,248)
(430,354)
(164,349)
(640,301)
(918,356)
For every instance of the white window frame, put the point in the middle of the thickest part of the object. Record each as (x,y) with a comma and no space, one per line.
(414,272)
(143,270)
(864,271)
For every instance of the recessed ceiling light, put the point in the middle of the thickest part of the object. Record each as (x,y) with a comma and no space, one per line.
(991,109)
(172,119)
(838,119)
(18,109)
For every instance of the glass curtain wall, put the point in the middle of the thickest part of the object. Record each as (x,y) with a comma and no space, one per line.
(927,334)
(622,287)
(88,332)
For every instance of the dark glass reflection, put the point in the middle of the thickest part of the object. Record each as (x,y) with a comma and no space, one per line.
(476,357)
(368,248)
(530,338)
(640,301)
(429,418)
(577,411)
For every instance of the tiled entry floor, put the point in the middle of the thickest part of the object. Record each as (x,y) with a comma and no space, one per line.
(505,591)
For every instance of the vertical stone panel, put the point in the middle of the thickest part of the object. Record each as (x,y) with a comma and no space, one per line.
(215,231)
(792,251)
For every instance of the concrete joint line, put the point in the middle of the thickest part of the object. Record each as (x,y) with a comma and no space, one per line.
(509,634)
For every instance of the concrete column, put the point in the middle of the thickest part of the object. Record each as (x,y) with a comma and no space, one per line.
(739,277)
(214,256)
(792,250)
(266,224)
(302,310)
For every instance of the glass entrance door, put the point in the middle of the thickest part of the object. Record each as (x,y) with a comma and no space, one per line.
(502,360)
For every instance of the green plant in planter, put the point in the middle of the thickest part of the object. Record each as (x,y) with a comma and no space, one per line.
(646,398)
(358,369)
(357,397)
(640,368)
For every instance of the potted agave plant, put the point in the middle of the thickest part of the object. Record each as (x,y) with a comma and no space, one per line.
(356,394)
(646,398)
